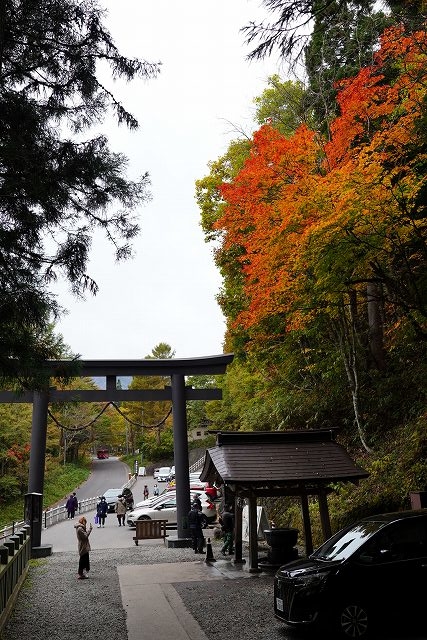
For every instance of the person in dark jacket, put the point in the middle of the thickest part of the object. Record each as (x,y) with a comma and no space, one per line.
(83,547)
(227,526)
(101,511)
(196,530)
(70,505)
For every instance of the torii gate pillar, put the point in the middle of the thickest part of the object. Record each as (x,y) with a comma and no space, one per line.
(33,506)
(182,474)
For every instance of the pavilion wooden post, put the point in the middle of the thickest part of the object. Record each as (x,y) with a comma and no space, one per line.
(324,514)
(253,534)
(238,521)
(307,528)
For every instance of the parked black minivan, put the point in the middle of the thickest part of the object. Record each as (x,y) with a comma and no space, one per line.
(365,578)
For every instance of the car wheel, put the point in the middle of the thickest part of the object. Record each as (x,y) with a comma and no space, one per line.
(353,621)
(204,521)
(144,518)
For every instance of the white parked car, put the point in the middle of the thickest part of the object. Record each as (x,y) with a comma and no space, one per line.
(152,500)
(165,509)
(163,474)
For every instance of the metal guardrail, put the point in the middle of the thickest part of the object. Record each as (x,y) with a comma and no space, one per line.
(57,514)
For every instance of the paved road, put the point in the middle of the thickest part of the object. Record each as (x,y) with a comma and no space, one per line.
(106,474)
(110,474)
(62,535)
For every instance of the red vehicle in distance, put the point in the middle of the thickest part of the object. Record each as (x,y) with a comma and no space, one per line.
(102,454)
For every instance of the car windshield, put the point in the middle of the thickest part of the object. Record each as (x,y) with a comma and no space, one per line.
(344,543)
(153,500)
(112,493)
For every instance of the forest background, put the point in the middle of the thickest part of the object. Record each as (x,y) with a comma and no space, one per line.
(318,222)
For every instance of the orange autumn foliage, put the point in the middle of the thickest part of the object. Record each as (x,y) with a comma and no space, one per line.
(263,214)
(310,215)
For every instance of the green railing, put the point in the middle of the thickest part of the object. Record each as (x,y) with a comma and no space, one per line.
(15,554)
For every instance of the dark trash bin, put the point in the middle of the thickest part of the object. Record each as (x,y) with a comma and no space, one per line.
(282,543)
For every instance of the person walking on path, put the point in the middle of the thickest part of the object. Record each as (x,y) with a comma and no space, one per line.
(155,490)
(76,502)
(227,526)
(70,505)
(83,546)
(196,530)
(146,492)
(101,511)
(120,508)
(197,501)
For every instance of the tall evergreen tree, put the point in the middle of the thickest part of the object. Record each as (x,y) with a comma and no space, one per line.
(56,185)
(343,40)
(291,22)
(289,28)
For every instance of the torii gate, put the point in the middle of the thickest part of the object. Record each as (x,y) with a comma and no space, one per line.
(178,393)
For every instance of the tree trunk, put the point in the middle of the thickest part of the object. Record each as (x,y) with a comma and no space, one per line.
(376,338)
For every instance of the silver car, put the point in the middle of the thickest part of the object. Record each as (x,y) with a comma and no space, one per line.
(163,474)
(165,509)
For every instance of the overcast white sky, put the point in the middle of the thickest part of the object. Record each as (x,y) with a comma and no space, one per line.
(166,293)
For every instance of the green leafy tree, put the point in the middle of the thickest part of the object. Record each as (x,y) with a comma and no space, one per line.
(284,105)
(15,435)
(156,438)
(57,184)
(197,410)
(75,425)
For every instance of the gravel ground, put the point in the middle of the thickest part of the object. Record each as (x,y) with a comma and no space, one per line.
(241,608)
(52,603)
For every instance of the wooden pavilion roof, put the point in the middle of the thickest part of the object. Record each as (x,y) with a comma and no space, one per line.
(280,463)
